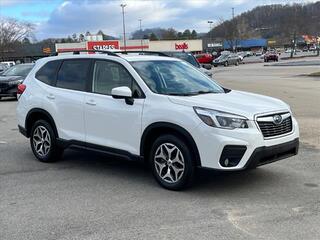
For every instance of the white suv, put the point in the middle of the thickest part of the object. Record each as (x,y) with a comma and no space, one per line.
(159,109)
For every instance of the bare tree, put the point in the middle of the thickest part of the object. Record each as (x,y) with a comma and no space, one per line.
(13,32)
(230,33)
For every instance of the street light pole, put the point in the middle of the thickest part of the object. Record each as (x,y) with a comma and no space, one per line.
(234,35)
(141,33)
(124,27)
(210,30)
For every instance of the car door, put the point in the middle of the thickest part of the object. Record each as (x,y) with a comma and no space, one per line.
(111,122)
(68,98)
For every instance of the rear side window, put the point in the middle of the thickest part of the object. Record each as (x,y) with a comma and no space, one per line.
(74,74)
(48,72)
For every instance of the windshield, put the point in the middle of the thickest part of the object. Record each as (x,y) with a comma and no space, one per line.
(175,78)
(18,70)
(222,57)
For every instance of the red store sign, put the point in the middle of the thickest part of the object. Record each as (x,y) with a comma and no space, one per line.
(181,46)
(103,45)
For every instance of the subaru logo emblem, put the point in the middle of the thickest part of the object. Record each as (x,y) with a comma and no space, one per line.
(277,119)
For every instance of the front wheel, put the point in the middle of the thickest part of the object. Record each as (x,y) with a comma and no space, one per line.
(171,162)
(226,64)
(43,142)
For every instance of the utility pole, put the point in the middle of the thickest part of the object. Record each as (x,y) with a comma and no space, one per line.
(234,41)
(141,33)
(210,31)
(124,27)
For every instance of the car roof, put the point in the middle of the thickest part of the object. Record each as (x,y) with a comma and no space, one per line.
(127,57)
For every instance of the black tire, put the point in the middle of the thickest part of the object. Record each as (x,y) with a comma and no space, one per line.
(54,152)
(226,64)
(186,177)
(237,63)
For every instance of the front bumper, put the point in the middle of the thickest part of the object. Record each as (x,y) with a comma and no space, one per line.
(8,91)
(265,155)
(242,148)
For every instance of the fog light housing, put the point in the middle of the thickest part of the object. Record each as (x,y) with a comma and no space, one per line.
(231,155)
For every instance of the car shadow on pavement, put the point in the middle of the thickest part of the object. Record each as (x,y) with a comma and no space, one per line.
(138,173)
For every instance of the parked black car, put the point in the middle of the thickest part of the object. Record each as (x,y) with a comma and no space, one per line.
(226,60)
(12,77)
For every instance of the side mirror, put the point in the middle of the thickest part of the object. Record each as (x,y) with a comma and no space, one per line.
(123,93)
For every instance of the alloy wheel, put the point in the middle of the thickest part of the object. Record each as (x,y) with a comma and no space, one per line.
(169,163)
(41,141)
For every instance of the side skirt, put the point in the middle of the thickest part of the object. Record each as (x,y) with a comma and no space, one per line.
(98,148)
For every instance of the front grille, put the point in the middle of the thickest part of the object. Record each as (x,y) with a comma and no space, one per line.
(271,129)
(4,85)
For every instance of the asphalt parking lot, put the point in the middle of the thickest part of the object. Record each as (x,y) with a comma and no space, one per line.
(92,196)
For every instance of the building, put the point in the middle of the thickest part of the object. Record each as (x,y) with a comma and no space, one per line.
(176,45)
(246,44)
(133,45)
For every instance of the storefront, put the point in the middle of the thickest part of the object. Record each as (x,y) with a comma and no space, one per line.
(133,45)
(176,45)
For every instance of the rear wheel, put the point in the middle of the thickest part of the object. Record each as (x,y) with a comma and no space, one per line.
(226,64)
(43,142)
(237,63)
(171,162)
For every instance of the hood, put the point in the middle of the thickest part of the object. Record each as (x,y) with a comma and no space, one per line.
(10,78)
(237,102)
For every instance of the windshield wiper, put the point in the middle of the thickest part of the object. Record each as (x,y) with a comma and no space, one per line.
(181,94)
(204,92)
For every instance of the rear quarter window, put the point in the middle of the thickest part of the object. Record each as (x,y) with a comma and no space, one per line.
(48,72)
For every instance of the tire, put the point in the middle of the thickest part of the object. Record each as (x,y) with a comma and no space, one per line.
(179,162)
(43,142)
(237,63)
(226,64)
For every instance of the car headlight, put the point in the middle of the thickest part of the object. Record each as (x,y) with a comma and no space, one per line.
(16,82)
(214,118)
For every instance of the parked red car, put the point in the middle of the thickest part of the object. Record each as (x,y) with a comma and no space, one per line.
(271,56)
(204,58)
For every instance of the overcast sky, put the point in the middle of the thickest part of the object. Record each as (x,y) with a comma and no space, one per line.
(59,18)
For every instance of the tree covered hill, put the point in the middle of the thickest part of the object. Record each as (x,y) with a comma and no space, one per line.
(278,22)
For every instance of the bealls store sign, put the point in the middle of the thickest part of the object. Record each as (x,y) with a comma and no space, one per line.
(181,46)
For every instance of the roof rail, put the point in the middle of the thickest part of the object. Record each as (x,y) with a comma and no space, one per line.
(77,52)
(144,53)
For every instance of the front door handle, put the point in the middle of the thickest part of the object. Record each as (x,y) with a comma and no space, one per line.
(91,102)
(50,96)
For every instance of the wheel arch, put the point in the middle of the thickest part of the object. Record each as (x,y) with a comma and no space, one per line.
(154,130)
(37,114)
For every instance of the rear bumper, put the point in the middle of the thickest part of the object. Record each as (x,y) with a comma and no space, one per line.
(265,155)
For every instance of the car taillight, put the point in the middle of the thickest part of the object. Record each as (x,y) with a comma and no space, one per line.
(21,88)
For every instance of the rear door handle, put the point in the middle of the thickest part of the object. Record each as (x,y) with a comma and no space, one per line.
(91,102)
(50,96)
